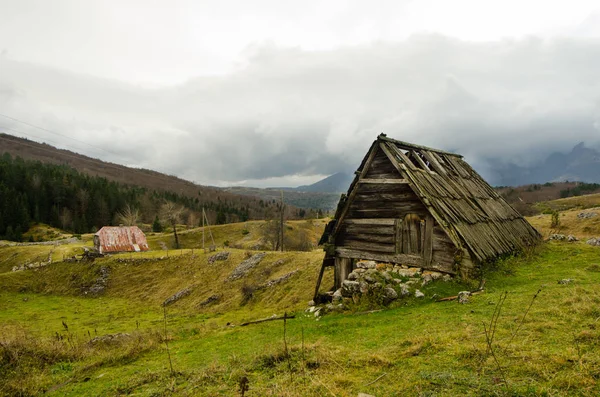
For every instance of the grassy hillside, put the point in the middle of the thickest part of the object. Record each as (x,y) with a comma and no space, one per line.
(543,344)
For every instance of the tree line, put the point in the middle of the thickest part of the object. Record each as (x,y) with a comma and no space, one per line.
(60,196)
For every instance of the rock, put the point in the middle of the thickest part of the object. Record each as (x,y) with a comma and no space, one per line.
(100,283)
(389,294)
(359,271)
(279,280)
(447,277)
(404,291)
(221,256)
(350,288)
(337,296)
(432,275)
(365,395)
(566,281)
(369,279)
(311,303)
(371,271)
(210,299)
(387,276)
(463,297)
(244,268)
(594,241)
(312,309)
(572,238)
(353,276)
(410,272)
(366,264)
(419,294)
(558,237)
(397,281)
(587,215)
(363,287)
(174,298)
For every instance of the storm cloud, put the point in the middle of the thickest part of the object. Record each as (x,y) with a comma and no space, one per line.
(288,114)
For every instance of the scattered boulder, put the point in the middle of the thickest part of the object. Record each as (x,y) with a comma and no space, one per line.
(244,268)
(587,215)
(279,280)
(594,241)
(463,297)
(174,298)
(419,294)
(566,281)
(210,300)
(101,282)
(220,256)
(572,238)
(337,296)
(557,237)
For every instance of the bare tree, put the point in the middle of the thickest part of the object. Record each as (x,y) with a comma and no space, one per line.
(128,216)
(172,213)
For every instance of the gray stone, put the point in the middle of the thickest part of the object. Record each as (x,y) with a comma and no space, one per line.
(387,276)
(337,296)
(363,287)
(221,256)
(350,287)
(366,264)
(404,291)
(359,270)
(566,281)
(311,303)
(587,215)
(447,277)
(244,268)
(410,272)
(419,294)
(365,395)
(178,295)
(389,294)
(463,296)
(369,279)
(593,241)
(572,238)
(557,237)
(353,276)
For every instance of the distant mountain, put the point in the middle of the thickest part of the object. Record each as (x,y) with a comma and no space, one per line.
(580,164)
(336,183)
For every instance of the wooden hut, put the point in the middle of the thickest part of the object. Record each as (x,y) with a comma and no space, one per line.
(418,206)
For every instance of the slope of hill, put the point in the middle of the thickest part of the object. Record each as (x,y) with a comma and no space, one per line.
(152,180)
(58,338)
(336,183)
(306,200)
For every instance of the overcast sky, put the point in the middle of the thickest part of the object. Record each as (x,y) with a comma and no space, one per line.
(274,93)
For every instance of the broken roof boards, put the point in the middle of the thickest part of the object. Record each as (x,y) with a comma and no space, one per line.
(418,206)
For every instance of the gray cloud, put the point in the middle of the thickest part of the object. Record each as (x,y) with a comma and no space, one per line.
(294,112)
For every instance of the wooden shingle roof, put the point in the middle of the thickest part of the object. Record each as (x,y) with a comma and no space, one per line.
(471,212)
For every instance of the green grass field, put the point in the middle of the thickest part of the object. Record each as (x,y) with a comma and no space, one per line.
(543,346)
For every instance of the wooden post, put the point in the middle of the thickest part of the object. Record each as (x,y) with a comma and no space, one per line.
(428,241)
(281,222)
(343,267)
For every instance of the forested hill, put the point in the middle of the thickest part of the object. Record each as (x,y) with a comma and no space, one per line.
(61,196)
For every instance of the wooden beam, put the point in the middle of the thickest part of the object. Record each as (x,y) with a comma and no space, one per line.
(370,221)
(414,260)
(383,181)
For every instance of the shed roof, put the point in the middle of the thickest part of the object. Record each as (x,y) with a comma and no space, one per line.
(121,239)
(471,212)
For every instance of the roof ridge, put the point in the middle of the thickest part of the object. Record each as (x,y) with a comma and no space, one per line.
(407,145)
